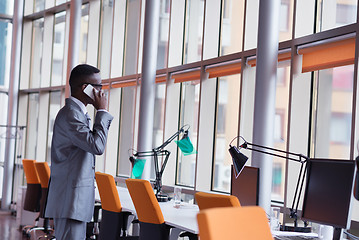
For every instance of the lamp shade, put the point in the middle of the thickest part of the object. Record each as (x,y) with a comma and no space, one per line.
(238,158)
(186,145)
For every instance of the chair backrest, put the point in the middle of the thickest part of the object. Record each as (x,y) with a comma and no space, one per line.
(43,171)
(110,200)
(250,223)
(147,208)
(211,200)
(30,171)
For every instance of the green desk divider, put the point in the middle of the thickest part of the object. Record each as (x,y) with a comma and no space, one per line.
(186,146)
(137,168)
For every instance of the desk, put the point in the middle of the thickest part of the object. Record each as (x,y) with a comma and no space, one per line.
(184,217)
(283,235)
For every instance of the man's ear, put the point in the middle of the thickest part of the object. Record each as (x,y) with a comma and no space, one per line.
(83,86)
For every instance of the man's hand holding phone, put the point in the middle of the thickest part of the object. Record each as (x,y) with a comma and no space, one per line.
(98,97)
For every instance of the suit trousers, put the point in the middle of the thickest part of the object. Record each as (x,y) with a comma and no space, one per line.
(69,229)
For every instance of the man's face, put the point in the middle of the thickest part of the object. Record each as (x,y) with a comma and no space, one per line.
(95,81)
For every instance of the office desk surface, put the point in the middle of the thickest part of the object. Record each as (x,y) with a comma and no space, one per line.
(184,217)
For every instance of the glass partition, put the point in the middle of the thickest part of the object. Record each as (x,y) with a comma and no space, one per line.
(226,128)
(188,115)
(58,50)
(332,114)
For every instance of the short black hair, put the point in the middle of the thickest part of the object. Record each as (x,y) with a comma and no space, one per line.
(79,74)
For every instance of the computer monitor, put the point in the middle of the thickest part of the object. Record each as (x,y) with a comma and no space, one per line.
(245,187)
(328,193)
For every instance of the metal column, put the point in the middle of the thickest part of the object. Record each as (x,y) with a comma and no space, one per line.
(148,87)
(12,104)
(265,94)
(74,40)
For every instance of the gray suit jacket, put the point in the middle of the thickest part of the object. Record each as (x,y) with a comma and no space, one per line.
(74,146)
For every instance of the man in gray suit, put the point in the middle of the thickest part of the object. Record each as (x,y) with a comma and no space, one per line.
(71,194)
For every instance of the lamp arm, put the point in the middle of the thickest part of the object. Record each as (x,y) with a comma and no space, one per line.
(170,139)
(300,182)
(300,156)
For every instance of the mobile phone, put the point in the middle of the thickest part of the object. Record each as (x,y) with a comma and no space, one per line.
(89,91)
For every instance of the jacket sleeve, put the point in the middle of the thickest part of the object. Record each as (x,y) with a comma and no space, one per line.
(93,141)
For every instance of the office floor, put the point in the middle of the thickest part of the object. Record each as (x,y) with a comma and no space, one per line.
(8,227)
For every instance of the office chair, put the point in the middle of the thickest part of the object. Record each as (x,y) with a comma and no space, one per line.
(249,223)
(33,191)
(43,171)
(152,223)
(210,200)
(114,221)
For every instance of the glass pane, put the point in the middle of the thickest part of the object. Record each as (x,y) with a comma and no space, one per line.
(54,107)
(232,26)
(193,31)
(280,129)
(5,53)
(175,50)
(188,115)
(39,5)
(37,47)
(7,7)
(128,106)
(3,121)
(32,126)
(58,50)
(58,2)
(251,32)
(336,13)
(132,36)
(333,113)
(84,33)
(163,34)
(106,38)
(226,129)
(286,20)
(158,121)
(304,16)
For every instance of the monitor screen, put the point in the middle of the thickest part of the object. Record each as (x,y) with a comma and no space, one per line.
(328,192)
(245,187)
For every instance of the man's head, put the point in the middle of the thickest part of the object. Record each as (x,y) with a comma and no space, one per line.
(80,77)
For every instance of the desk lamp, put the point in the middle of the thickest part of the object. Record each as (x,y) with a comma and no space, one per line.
(239,160)
(160,151)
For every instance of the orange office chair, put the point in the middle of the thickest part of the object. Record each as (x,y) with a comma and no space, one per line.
(152,223)
(43,171)
(114,220)
(33,190)
(33,193)
(249,223)
(211,200)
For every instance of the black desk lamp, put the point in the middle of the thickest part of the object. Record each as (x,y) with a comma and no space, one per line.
(155,153)
(239,160)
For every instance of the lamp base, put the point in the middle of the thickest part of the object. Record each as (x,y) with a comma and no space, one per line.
(295,229)
(162,197)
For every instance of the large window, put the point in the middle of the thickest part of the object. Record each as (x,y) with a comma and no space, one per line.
(333,112)
(193,31)
(84,34)
(126,134)
(54,107)
(106,37)
(228,89)
(58,50)
(32,126)
(232,26)
(188,115)
(37,48)
(336,13)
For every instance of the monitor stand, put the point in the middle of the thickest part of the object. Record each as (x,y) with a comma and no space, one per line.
(336,233)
